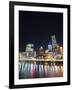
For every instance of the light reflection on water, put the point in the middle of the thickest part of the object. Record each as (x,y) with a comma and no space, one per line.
(40,70)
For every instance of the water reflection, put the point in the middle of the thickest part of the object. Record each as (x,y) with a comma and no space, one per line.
(40,69)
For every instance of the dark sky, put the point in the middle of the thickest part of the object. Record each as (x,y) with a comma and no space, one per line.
(37,28)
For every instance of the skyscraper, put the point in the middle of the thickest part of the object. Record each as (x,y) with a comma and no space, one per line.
(49,47)
(54,42)
(30,49)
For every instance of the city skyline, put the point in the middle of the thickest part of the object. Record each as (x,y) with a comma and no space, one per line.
(49,46)
(37,28)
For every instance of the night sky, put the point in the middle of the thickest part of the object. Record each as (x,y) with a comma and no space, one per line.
(37,28)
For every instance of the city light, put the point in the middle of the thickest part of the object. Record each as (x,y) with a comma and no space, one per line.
(43,62)
(54,51)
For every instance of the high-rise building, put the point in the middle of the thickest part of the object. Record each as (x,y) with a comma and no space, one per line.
(49,47)
(35,54)
(54,42)
(30,49)
(58,49)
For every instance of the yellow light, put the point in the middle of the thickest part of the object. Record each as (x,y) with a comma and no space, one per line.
(61,50)
(49,56)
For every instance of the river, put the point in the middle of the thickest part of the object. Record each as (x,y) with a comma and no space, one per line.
(40,70)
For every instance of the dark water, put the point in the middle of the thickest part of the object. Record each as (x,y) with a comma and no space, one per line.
(40,70)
